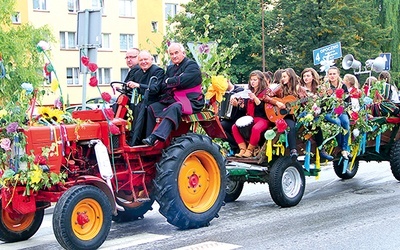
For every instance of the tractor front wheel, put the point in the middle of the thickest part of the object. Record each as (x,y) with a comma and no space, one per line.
(349,173)
(18,227)
(82,218)
(395,160)
(233,190)
(191,181)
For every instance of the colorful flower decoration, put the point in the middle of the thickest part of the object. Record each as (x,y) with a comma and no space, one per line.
(339,93)
(281,125)
(12,127)
(338,110)
(269,134)
(354,116)
(106,97)
(93,82)
(42,46)
(5,144)
(28,87)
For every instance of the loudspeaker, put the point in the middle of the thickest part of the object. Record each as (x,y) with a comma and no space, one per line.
(377,65)
(349,62)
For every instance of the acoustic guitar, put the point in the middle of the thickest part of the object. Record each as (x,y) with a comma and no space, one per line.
(274,113)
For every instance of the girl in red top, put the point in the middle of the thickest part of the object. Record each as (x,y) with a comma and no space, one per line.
(255,108)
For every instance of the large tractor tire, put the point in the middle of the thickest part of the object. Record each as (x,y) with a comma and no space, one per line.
(350,173)
(233,190)
(286,182)
(191,181)
(395,160)
(82,218)
(18,227)
(133,210)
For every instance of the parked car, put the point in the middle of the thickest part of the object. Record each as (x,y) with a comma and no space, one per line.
(92,103)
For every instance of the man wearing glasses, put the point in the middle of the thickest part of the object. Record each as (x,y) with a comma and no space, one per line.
(132,61)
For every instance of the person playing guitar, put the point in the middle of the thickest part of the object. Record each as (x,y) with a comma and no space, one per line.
(287,90)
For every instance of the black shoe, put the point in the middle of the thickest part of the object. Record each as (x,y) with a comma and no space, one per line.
(294,154)
(150,140)
(325,155)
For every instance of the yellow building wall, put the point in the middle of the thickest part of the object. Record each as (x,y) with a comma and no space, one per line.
(59,19)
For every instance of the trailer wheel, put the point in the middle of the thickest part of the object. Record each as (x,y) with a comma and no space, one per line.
(233,190)
(338,167)
(82,218)
(133,210)
(395,159)
(190,182)
(18,227)
(286,182)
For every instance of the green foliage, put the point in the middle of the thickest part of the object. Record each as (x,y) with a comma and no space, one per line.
(20,58)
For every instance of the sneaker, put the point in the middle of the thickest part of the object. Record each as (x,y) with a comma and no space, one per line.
(294,154)
(345,154)
(325,155)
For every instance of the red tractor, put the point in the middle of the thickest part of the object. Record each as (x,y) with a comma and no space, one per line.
(108,180)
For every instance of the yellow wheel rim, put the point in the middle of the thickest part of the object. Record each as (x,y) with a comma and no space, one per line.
(17,222)
(87,219)
(199,181)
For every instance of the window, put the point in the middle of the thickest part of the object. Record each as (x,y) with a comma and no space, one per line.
(39,5)
(170,10)
(124,73)
(105,40)
(67,40)
(72,76)
(125,41)
(154,26)
(104,75)
(16,18)
(73,5)
(126,8)
(98,4)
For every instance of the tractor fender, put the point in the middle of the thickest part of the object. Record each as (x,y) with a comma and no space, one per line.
(102,185)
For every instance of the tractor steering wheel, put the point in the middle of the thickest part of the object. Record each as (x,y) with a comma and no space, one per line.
(121,88)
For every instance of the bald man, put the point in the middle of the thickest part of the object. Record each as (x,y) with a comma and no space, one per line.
(182,94)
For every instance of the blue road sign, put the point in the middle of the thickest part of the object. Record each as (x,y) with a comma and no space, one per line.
(326,53)
(387,57)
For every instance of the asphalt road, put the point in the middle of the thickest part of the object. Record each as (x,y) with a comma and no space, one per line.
(361,213)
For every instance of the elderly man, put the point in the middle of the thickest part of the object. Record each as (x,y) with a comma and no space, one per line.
(131,58)
(182,94)
(141,78)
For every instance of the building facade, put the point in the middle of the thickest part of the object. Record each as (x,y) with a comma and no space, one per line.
(124,24)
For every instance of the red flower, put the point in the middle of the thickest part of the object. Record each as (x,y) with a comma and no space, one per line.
(338,110)
(46,71)
(92,67)
(339,93)
(106,97)
(39,160)
(85,60)
(114,129)
(355,93)
(109,113)
(354,116)
(366,88)
(93,81)
(281,125)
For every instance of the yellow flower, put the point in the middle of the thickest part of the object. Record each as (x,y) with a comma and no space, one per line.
(36,174)
(218,87)
(56,115)
(44,111)
(3,112)
(54,85)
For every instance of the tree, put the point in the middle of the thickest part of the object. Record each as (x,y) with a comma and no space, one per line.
(389,17)
(19,56)
(233,22)
(296,28)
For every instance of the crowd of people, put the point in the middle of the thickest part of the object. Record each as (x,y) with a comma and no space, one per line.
(178,91)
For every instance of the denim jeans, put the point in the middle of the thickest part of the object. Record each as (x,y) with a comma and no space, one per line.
(342,120)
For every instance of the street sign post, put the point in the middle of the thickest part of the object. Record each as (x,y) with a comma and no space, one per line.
(326,53)
(387,57)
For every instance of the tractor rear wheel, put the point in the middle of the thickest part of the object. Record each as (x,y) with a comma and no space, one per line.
(233,190)
(350,173)
(191,181)
(82,218)
(395,160)
(286,182)
(18,227)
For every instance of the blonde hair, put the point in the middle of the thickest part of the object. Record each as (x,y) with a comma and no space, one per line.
(352,79)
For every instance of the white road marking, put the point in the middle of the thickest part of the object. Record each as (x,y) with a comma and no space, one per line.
(210,245)
(132,241)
